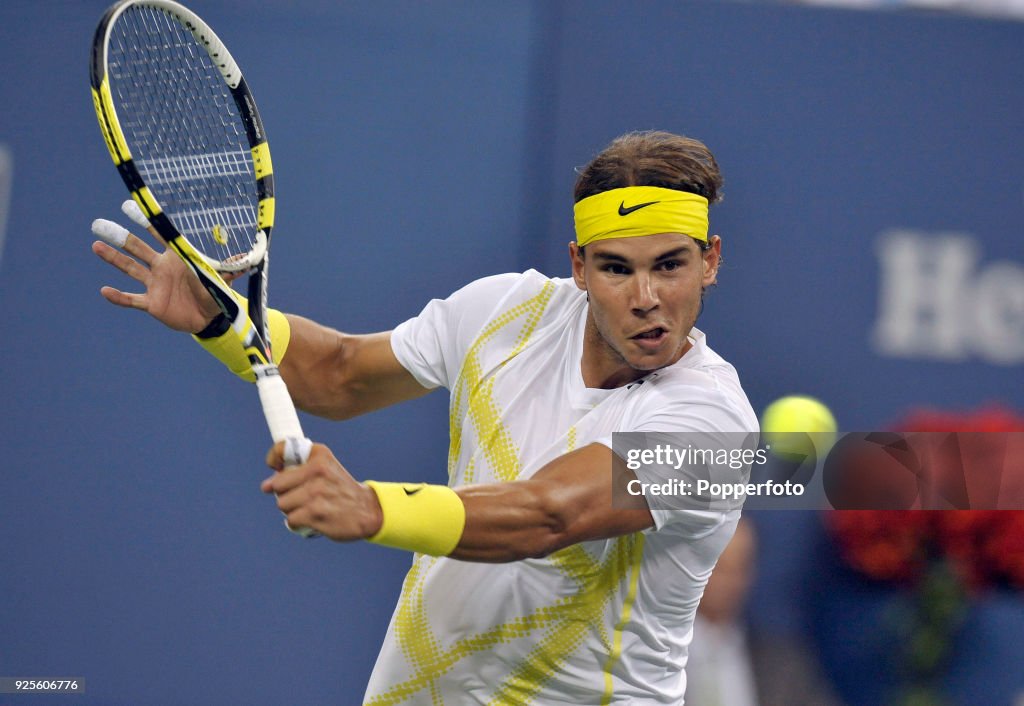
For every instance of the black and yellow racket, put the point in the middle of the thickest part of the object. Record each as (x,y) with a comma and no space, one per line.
(182,127)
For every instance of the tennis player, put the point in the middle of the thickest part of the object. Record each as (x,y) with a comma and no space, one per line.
(529,585)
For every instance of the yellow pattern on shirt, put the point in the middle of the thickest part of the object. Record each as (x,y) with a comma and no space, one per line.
(559,628)
(473,392)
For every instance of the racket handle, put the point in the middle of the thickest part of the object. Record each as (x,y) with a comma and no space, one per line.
(278,407)
(296,451)
(283,421)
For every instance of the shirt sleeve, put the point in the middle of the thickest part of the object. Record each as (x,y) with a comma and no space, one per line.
(688,418)
(433,344)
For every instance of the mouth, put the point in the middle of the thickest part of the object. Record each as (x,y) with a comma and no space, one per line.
(650,338)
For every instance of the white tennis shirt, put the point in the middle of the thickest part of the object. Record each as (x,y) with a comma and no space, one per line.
(602,622)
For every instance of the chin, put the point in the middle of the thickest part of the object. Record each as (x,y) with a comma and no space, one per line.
(649,363)
(656,360)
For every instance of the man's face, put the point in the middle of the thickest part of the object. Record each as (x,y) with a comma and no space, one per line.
(644,299)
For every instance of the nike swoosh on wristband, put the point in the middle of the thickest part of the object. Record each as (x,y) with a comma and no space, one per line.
(623,211)
(413,491)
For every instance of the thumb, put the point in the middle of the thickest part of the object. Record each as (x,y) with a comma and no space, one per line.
(275,457)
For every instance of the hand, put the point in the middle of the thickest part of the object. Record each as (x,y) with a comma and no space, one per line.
(321,494)
(174,296)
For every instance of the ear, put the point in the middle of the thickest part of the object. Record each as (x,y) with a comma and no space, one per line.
(576,258)
(712,258)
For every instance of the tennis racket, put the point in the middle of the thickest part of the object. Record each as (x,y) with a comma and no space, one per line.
(182,128)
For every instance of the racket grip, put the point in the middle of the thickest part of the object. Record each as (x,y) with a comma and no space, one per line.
(283,421)
(278,407)
(296,450)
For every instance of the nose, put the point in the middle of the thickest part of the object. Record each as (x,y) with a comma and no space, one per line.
(644,297)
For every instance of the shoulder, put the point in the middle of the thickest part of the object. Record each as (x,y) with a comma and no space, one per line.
(495,310)
(509,302)
(514,288)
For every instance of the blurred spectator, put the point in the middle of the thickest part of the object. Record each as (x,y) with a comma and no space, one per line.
(732,665)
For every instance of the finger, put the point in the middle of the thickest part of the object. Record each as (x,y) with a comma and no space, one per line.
(299,519)
(125,299)
(289,477)
(285,481)
(269,484)
(292,500)
(111,233)
(118,259)
(140,249)
(132,210)
(114,235)
(275,457)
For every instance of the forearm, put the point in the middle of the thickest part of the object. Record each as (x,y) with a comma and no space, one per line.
(338,375)
(508,522)
(568,501)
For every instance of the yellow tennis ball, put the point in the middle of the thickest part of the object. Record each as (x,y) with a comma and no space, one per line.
(796,426)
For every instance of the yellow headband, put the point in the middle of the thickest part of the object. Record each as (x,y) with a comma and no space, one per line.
(640,210)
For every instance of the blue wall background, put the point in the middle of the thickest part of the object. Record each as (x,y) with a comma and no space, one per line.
(417,146)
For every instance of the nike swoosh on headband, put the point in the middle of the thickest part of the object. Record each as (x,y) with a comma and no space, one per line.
(623,211)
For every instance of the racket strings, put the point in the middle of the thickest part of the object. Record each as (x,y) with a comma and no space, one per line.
(188,139)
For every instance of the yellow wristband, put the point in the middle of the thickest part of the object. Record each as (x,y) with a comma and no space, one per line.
(227,348)
(428,519)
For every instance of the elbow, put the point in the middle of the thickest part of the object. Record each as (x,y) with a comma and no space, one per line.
(554,531)
(545,548)
(539,544)
(536,546)
(323,384)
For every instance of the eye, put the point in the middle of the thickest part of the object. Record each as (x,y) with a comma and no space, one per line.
(615,268)
(671,265)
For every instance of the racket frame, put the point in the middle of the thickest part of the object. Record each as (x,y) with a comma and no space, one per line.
(250,326)
(251,329)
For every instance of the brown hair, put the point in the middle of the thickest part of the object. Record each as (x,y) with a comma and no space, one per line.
(652,158)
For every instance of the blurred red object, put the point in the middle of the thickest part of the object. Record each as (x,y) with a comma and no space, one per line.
(882,545)
(984,548)
(993,418)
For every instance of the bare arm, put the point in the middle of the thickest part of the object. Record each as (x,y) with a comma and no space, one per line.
(338,375)
(567,501)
